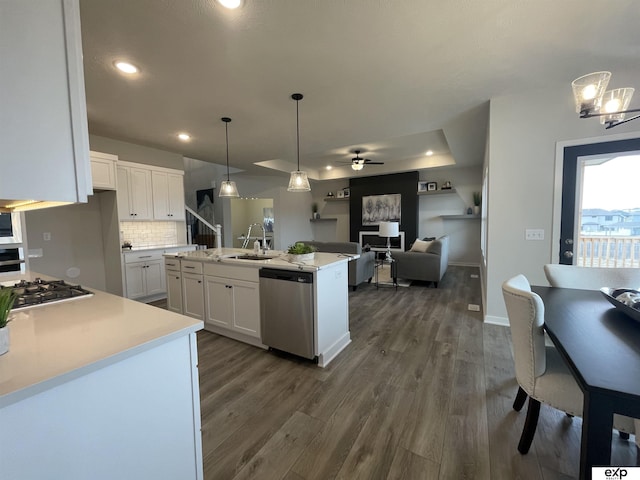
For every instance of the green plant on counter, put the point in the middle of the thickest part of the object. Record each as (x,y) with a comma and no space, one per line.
(477,199)
(7,297)
(300,249)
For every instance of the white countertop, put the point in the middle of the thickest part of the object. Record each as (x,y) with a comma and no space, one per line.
(54,343)
(156,247)
(281,259)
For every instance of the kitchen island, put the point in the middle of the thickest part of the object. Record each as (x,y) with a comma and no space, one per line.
(222,288)
(99,387)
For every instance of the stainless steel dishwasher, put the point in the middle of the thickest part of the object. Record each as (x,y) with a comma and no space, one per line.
(286,311)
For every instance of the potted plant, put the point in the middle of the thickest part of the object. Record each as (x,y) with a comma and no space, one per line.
(477,200)
(299,252)
(7,297)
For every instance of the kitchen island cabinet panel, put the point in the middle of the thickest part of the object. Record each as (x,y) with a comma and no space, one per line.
(193,295)
(233,304)
(174,285)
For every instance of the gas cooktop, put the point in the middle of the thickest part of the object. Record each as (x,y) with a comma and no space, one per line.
(39,292)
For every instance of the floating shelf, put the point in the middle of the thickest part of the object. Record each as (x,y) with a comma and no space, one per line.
(460,217)
(438,192)
(323,219)
(336,199)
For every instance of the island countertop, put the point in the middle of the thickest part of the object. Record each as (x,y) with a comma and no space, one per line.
(273,258)
(57,342)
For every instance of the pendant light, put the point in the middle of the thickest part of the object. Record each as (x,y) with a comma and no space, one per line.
(298,181)
(228,188)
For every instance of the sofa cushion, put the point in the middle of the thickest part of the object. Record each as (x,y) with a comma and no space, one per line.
(420,246)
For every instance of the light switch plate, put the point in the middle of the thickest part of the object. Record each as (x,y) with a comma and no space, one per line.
(534,234)
(46,236)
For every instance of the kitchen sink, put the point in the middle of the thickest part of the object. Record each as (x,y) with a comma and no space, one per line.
(248,256)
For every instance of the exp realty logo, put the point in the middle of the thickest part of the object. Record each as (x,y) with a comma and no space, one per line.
(615,473)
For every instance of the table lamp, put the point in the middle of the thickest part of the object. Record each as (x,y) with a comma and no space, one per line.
(388,229)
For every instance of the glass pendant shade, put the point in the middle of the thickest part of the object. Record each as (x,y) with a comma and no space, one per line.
(614,101)
(357,166)
(298,182)
(588,91)
(228,189)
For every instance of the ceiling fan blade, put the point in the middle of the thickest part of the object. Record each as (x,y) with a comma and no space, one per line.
(369,162)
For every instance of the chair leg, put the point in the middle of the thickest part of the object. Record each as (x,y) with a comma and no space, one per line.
(521,397)
(530,424)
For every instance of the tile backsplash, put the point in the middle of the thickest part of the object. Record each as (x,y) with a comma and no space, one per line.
(149,234)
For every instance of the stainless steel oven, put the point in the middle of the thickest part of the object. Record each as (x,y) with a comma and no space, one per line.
(11,260)
(10,228)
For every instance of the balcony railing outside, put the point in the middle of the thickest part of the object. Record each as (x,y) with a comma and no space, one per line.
(608,251)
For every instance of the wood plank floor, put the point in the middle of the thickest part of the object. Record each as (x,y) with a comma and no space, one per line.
(424,391)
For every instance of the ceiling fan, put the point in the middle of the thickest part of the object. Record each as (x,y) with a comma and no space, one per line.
(358,163)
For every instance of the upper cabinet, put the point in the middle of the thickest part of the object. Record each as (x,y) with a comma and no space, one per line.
(168,195)
(43,117)
(134,192)
(103,171)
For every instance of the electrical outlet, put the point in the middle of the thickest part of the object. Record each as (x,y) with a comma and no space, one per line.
(534,234)
(46,236)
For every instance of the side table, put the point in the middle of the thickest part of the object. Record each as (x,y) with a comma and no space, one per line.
(380,263)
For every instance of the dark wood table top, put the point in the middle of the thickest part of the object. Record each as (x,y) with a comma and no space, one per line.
(600,343)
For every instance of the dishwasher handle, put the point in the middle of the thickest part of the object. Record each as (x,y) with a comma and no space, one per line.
(286,275)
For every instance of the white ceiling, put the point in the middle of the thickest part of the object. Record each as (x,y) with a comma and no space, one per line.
(392,78)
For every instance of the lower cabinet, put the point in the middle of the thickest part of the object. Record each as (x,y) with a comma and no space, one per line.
(145,279)
(233,304)
(192,289)
(174,291)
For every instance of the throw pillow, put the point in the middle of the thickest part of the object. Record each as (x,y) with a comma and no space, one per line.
(420,246)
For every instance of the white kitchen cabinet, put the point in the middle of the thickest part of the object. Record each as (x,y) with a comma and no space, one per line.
(103,171)
(144,275)
(233,304)
(134,192)
(174,284)
(168,195)
(193,295)
(43,120)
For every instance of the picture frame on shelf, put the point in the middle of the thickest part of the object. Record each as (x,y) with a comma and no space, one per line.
(346,192)
(340,194)
(432,186)
(422,186)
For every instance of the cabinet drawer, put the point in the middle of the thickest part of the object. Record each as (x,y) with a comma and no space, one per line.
(250,274)
(144,256)
(191,267)
(172,264)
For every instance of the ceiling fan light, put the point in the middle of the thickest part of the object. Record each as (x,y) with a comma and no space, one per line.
(299,182)
(588,91)
(357,166)
(228,189)
(615,101)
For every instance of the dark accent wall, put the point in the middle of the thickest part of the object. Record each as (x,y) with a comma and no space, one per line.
(406,184)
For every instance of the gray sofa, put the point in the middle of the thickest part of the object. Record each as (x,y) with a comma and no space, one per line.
(360,270)
(429,266)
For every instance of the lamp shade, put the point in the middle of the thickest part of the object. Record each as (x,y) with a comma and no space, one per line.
(615,101)
(357,166)
(389,229)
(588,91)
(228,189)
(298,182)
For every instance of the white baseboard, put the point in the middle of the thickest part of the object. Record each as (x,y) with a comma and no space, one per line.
(330,353)
(493,320)
(463,264)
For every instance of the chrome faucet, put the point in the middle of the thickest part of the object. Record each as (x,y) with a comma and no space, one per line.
(265,247)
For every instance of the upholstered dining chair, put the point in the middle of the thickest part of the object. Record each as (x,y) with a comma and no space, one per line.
(594,278)
(540,371)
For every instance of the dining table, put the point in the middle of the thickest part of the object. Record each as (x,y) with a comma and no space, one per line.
(601,346)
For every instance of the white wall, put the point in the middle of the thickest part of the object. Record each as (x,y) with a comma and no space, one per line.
(524,130)
(131,152)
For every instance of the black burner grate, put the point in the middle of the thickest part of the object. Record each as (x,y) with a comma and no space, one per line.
(45,291)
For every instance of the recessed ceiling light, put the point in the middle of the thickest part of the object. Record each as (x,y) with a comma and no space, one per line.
(429,153)
(230,4)
(185,137)
(126,67)
(329,167)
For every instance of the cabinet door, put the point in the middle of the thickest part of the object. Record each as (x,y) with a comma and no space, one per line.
(193,295)
(155,280)
(135,280)
(160,187)
(103,173)
(125,210)
(246,308)
(174,291)
(219,294)
(140,193)
(176,196)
